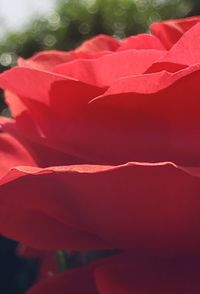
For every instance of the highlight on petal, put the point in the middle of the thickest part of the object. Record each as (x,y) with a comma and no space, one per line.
(89,207)
(99,43)
(149,83)
(18,80)
(187,49)
(105,70)
(141,41)
(45,60)
(24,83)
(42,107)
(170,31)
(95,47)
(137,119)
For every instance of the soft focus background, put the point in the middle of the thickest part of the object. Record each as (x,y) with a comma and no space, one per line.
(28,26)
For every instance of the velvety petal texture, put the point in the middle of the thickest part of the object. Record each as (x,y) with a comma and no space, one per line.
(62,201)
(103,152)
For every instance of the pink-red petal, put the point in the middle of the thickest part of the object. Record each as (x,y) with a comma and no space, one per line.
(99,43)
(107,69)
(46,60)
(76,207)
(142,118)
(187,49)
(13,149)
(170,31)
(141,41)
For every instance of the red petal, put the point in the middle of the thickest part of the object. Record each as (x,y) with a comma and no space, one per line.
(79,281)
(138,118)
(13,150)
(141,41)
(142,118)
(16,150)
(170,31)
(105,70)
(126,274)
(76,207)
(45,60)
(187,49)
(24,83)
(99,43)
(39,109)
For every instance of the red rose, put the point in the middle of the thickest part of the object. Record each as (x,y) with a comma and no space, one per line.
(107,156)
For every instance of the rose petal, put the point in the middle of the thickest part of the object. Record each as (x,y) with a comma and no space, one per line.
(76,207)
(13,150)
(16,150)
(165,66)
(141,41)
(99,43)
(24,83)
(170,31)
(105,70)
(187,49)
(95,47)
(39,109)
(127,274)
(141,119)
(134,113)
(45,60)
(77,281)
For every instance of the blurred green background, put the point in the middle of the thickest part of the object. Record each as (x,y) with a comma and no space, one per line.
(66,27)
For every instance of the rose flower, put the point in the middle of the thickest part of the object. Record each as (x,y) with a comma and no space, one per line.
(103,153)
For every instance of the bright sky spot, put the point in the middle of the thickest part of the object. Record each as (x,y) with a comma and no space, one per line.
(15,14)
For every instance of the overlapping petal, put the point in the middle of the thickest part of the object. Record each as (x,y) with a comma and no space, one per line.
(128,274)
(46,60)
(170,31)
(147,275)
(131,107)
(138,117)
(88,207)
(15,150)
(98,44)
(186,50)
(103,71)
(37,110)
(141,41)
(78,281)
(142,118)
